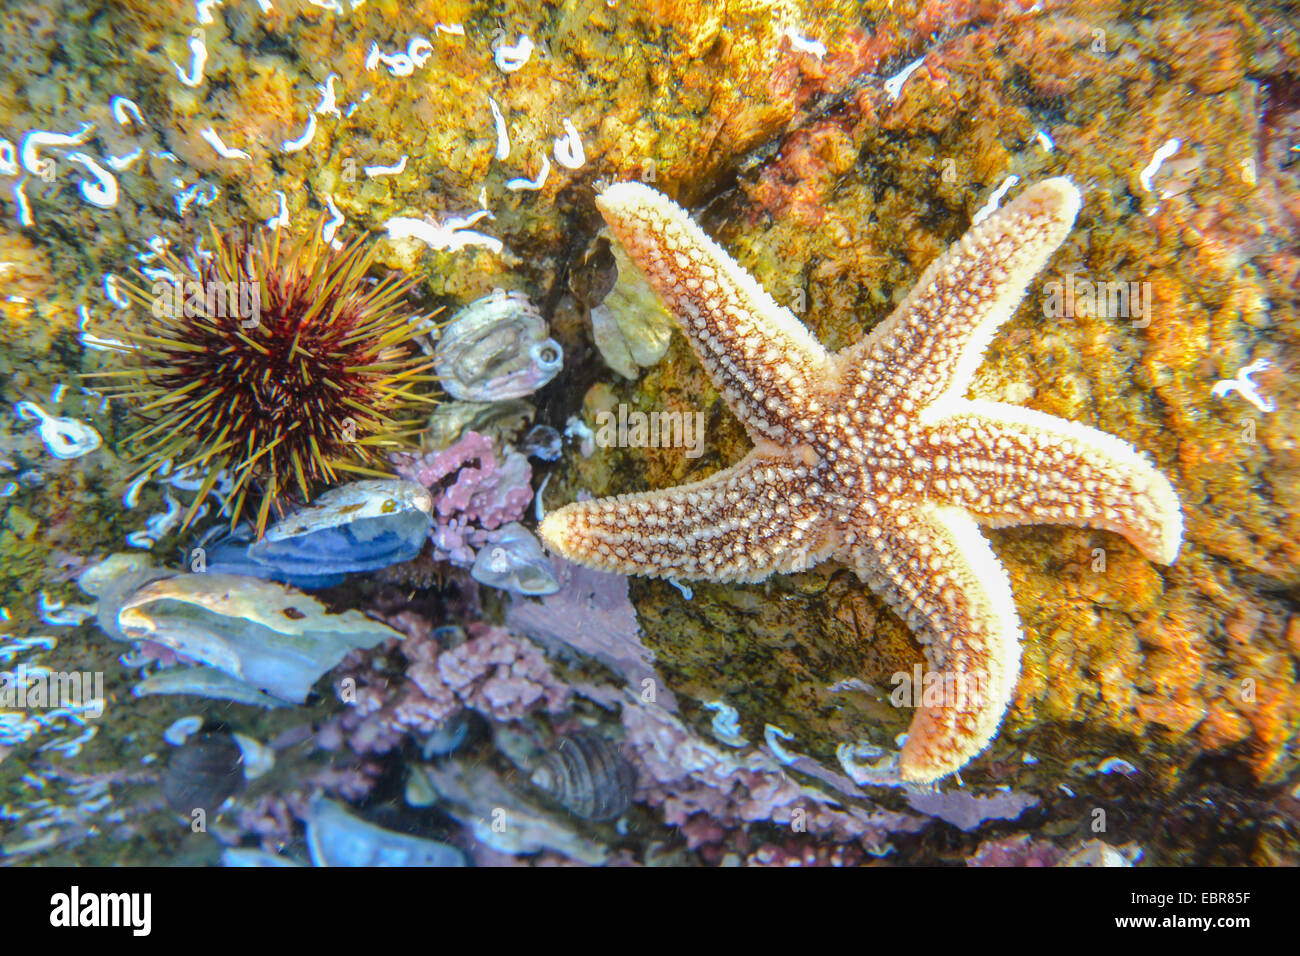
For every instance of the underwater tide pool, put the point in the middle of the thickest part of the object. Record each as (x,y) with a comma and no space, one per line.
(666,434)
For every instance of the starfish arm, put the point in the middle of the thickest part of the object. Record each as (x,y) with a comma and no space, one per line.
(766,363)
(934,567)
(741,524)
(927,351)
(1010,465)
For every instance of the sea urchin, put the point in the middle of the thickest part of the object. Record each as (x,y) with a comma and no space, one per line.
(279,367)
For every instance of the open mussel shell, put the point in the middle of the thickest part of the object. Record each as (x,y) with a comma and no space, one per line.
(360,526)
(203,772)
(337,838)
(588,775)
(272,638)
(630,325)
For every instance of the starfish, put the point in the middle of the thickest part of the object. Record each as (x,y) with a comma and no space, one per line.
(874,457)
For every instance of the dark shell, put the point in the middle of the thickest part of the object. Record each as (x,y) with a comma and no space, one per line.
(229,555)
(202,773)
(588,775)
(544,442)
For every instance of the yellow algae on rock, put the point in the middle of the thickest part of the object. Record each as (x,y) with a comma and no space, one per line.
(26,308)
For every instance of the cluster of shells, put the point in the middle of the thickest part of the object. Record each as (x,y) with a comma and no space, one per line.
(251,638)
(244,632)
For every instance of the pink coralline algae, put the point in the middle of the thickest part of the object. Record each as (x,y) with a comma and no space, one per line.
(501,675)
(495,673)
(705,791)
(272,817)
(473,492)
(1019,850)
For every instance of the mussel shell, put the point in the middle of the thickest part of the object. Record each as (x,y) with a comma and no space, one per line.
(337,838)
(360,526)
(630,326)
(267,636)
(203,772)
(230,556)
(588,775)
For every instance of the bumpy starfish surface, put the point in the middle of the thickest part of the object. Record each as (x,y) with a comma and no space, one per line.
(874,457)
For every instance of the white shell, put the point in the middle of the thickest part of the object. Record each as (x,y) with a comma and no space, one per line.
(337,838)
(513,560)
(353,502)
(204,682)
(181,729)
(271,637)
(258,757)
